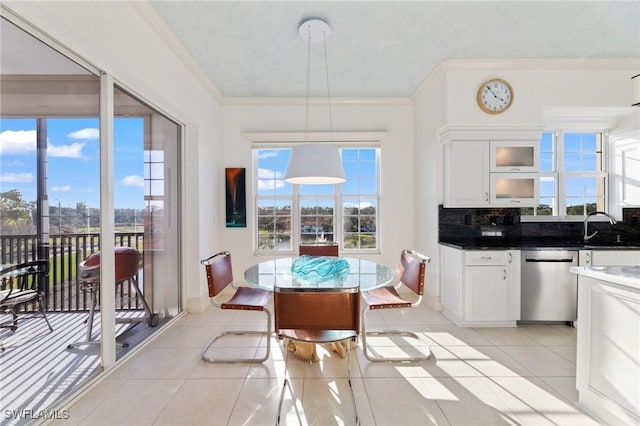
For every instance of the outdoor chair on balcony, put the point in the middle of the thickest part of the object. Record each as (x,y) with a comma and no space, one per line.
(412,273)
(21,285)
(127,264)
(219,277)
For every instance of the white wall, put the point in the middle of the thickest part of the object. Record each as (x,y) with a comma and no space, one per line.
(114,37)
(397,209)
(547,94)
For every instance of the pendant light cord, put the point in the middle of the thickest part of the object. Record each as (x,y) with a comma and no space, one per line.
(306,111)
(326,67)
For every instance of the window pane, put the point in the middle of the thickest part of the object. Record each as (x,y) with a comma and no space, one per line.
(274,224)
(583,152)
(547,186)
(272,165)
(585,194)
(360,230)
(316,220)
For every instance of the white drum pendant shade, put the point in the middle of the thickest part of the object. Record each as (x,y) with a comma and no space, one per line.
(315,164)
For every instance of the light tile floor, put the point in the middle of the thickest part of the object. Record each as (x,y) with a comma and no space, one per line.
(476,376)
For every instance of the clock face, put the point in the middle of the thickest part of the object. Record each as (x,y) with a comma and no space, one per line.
(495,96)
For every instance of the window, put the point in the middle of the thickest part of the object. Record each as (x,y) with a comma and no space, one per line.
(573,177)
(288,215)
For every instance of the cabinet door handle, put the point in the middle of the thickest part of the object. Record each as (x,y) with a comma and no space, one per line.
(514,201)
(505,274)
(510,257)
(515,169)
(486,257)
(587,257)
(486,196)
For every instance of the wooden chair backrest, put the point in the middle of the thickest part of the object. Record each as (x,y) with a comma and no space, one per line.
(319,249)
(219,273)
(412,271)
(313,310)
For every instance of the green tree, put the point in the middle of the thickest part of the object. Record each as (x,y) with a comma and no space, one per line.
(15,212)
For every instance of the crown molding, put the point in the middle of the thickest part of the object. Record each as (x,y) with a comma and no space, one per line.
(482,133)
(563,64)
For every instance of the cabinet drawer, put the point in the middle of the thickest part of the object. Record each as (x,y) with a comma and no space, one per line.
(488,257)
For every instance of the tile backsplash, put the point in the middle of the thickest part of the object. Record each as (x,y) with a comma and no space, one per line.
(460,224)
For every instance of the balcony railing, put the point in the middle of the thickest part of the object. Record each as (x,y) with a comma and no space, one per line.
(65,253)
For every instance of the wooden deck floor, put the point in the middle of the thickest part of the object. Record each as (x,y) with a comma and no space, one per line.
(37,368)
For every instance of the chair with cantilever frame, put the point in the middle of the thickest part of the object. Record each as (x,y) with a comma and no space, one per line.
(317,315)
(219,276)
(413,269)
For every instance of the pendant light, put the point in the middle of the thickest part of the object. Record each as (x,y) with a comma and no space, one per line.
(315,163)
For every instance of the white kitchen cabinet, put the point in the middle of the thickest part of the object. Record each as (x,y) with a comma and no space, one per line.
(514,156)
(514,189)
(609,258)
(480,287)
(607,369)
(466,169)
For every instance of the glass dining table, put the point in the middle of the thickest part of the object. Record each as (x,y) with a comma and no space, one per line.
(277,275)
(362,275)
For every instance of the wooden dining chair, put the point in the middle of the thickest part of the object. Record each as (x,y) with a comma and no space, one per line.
(319,249)
(23,284)
(412,275)
(219,276)
(313,315)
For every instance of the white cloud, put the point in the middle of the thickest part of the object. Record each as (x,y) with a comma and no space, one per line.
(269,179)
(269,174)
(23,142)
(267,154)
(16,177)
(88,133)
(133,180)
(17,142)
(69,151)
(63,188)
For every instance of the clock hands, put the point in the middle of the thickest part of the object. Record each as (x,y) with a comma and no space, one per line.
(494,95)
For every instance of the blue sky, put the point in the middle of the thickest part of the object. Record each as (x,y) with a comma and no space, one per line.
(73,160)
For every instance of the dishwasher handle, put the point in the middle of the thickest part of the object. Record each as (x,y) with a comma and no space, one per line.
(565,260)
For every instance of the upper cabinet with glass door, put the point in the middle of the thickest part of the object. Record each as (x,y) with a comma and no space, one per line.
(514,156)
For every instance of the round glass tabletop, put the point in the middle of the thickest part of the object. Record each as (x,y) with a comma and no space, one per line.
(362,274)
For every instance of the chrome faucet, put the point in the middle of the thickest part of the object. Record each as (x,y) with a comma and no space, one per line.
(587,237)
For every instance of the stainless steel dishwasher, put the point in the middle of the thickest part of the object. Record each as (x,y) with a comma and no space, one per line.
(549,290)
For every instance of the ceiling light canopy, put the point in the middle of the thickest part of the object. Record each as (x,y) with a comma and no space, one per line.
(315,163)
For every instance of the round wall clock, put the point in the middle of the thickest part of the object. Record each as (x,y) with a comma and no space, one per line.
(495,96)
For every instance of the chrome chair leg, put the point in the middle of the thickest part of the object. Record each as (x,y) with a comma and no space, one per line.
(353,395)
(266,334)
(285,383)
(365,349)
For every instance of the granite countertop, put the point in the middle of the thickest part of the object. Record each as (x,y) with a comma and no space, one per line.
(533,244)
(628,276)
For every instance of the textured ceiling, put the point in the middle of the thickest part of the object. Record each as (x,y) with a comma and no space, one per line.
(386,48)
